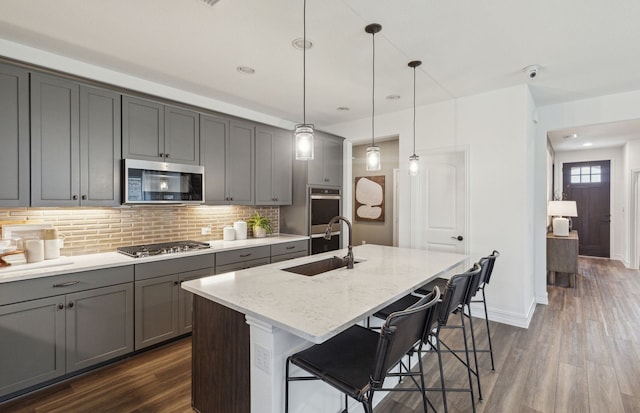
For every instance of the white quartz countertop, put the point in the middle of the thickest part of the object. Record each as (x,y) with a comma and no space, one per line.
(65,265)
(318,307)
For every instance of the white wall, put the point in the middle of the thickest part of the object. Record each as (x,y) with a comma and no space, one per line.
(618,190)
(497,129)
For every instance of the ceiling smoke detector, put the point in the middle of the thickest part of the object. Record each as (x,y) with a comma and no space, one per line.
(300,43)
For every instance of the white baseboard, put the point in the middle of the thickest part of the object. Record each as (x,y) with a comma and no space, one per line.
(506,317)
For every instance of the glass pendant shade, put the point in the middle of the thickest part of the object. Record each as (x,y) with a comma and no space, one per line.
(414,165)
(373,158)
(304,142)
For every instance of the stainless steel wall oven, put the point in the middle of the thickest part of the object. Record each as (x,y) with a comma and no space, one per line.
(324,204)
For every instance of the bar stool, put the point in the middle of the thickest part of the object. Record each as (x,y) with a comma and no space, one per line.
(357,361)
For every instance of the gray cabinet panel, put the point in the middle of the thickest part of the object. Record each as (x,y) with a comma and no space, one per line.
(214,134)
(100,147)
(182,136)
(17,291)
(99,325)
(173,266)
(290,256)
(32,348)
(55,153)
(142,129)
(326,167)
(239,175)
(156,310)
(274,155)
(229,257)
(236,266)
(14,135)
(289,247)
(185,299)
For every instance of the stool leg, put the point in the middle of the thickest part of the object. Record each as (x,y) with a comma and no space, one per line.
(486,319)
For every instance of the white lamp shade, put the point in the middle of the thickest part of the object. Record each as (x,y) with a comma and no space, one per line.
(304,142)
(373,158)
(562,209)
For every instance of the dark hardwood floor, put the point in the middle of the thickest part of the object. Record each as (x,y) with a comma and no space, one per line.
(581,353)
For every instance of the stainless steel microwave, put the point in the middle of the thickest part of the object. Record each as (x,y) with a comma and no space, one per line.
(151,182)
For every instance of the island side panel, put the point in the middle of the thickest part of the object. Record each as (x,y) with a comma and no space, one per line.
(221,379)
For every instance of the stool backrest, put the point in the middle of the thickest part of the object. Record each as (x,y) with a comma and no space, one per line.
(454,294)
(474,283)
(487,264)
(401,331)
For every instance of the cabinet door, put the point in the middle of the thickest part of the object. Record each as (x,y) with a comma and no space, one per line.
(315,174)
(185,299)
(100,147)
(99,325)
(214,134)
(239,172)
(156,310)
(264,166)
(282,167)
(333,161)
(55,152)
(142,129)
(32,343)
(182,136)
(14,135)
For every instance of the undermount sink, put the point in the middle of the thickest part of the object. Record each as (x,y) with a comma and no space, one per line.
(318,267)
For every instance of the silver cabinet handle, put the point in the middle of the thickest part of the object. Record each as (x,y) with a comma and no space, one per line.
(66,284)
(245,255)
(291,247)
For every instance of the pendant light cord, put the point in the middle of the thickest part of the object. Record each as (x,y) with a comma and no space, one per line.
(373,92)
(414,110)
(304,62)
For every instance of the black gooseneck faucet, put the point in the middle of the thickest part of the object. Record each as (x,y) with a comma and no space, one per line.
(327,235)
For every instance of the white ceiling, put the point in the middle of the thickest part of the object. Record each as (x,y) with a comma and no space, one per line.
(585,48)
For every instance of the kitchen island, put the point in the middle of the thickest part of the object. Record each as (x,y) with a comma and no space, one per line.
(247,322)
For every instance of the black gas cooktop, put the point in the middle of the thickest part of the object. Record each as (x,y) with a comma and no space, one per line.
(148,250)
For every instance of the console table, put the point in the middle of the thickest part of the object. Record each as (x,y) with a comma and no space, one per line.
(562,256)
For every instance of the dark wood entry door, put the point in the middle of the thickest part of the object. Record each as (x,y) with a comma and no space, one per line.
(588,183)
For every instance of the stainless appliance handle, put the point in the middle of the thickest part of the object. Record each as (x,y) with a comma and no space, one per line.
(325,197)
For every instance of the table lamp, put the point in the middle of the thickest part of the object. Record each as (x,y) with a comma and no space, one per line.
(559,210)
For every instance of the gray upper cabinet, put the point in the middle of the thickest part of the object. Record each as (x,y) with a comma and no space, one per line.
(100,147)
(155,132)
(326,167)
(274,156)
(227,154)
(75,144)
(14,135)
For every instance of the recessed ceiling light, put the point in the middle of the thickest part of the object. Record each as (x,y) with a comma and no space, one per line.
(571,136)
(210,2)
(246,70)
(343,108)
(587,144)
(299,42)
(393,97)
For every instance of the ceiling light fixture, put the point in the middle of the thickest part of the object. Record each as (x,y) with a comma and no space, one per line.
(246,70)
(343,108)
(373,151)
(304,131)
(571,136)
(587,144)
(414,160)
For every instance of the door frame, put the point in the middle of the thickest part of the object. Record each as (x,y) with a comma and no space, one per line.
(464,149)
(634,217)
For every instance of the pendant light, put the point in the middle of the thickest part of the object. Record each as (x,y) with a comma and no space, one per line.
(373,151)
(414,160)
(304,131)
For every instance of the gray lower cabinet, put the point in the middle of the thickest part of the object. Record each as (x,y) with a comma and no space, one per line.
(47,336)
(156,132)
(227,150)
(162,308)
(14,135)
(75,144)
(243,258)
(289,250)
(274,157)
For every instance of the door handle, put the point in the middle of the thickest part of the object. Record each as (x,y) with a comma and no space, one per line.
(458,238)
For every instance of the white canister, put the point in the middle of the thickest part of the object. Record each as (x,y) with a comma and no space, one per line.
(241,229)
(51,244)
(34,250)
(228,234)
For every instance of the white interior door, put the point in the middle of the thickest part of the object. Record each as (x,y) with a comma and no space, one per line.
(439,202)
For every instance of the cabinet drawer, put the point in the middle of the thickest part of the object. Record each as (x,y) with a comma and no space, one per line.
(173,266)
(18,291)
(290,256)
(242,265)
(289,247)
(230,257)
